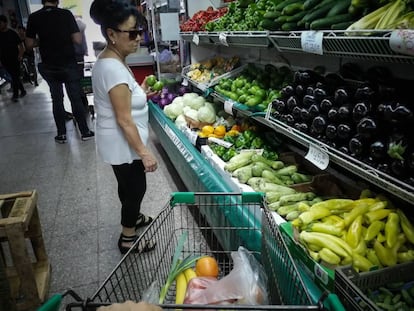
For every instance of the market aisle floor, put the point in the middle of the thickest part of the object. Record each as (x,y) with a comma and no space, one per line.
(78,204)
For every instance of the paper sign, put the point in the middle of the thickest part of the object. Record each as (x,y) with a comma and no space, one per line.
(223,38)
(311,42)
(402,41)
(196,39)
(228,107)
(318,157)
(220,142)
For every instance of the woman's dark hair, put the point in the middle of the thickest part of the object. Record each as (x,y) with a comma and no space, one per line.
(112,13)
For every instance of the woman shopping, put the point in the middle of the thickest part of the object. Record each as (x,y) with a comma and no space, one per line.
(122,113)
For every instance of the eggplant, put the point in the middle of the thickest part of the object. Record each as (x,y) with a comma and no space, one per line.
(351,71)
(341,97)
(319,94)
(386,92)
(320,85)
(356,146)
(304,114)
(344,131)
(344,112)
(279,105)
(379,75)
(344,149)
(308,100)
(319,124)
(309,77)
(325,105)
(287,91)
(276,114)
(360,111)
(291,103)
(296,113)
(299,90)
(310,90)
(384,167)
(378,150)
(367,128)
(333,114)
(289,119)
(402,114)
(332,82)
(399,168)
(410,159)
(296,126)
(304,128)
(313,111)
(364,93)
(330,131)
(409,180)
(283,118)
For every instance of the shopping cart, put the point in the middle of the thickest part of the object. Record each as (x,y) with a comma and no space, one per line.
(86,83)
(242,220)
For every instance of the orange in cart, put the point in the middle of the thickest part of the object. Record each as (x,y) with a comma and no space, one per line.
(207,266)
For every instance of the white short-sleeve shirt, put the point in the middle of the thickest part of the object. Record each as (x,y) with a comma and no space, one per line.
(111,143)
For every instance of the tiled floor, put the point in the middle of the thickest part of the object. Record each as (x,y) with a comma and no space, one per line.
(78,204)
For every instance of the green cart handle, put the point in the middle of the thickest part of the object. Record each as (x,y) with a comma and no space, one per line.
(332,303)
(53,303)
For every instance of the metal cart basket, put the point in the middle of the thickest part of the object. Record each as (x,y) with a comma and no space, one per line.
(188,212)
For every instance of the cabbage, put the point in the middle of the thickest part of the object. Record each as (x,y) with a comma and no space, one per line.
(180,121)
(173,110)
(188,98)
(210,106)
(206,114)
(191,113)
(178,100)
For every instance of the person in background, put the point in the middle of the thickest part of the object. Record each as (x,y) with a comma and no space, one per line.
(81,50)
(122,113)
(56,31)
(29,54)
(11,54)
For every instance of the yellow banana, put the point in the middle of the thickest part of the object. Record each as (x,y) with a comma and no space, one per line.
(189,274)
(181,288)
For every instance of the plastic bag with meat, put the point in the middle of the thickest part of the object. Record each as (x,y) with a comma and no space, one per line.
(245,284)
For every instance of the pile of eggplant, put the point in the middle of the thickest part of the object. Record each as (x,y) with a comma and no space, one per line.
(369,119)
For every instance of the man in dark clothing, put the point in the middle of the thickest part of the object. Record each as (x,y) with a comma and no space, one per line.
(11,53)
(55,30)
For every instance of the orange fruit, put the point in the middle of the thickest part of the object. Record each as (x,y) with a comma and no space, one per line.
(207,266)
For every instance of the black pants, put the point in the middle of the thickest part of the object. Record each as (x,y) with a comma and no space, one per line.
(132,185)
(13,68)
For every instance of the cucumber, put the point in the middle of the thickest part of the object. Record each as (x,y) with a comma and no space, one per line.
(292,9)
(309,4)
(297,17)
(327,22)
(269,24)
(281,19)
(271,14)
(284,3)
(318,13)
(341,26)
(289,26)
(340,8)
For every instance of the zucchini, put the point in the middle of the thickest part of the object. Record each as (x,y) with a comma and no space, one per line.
(341,26)
(295,18)
(271,15)
(310,4)
(289,26)
(284,3)
(292,9)
(339,8)
(327,22)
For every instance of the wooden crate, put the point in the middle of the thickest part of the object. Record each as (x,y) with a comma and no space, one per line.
(22,245)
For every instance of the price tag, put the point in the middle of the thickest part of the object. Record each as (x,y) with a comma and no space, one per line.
(318,157)
(196,39)
(228,107)
(192,136)
(223,38)
(311,42)
(220,142)
(185,82)
(402,41)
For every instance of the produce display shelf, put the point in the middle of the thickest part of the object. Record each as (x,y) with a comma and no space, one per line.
(241,38)
(370,174)
(196,37)
(234,108)
(375,46)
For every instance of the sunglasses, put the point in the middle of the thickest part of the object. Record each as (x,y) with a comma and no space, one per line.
(133,34)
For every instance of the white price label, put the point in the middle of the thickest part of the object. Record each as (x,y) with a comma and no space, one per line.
(321,274)
(228,107)
(185,82)
(196,39)
(311,42)
(192,136)
(220,142)
(223,38)
(402,41)
(318,157)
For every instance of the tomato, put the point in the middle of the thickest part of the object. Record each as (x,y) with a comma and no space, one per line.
(151,80)
(207,266)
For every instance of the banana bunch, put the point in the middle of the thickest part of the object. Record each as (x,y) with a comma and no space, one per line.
(182,280)
(367,233)
(395,14)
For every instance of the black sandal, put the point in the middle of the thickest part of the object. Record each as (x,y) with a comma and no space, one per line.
(142,221)
(142,247)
